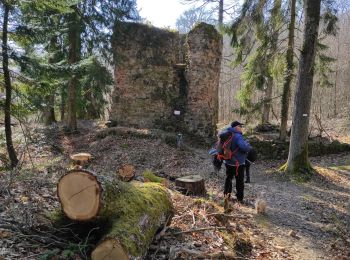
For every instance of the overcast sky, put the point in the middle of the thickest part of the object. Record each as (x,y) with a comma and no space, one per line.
(161,13)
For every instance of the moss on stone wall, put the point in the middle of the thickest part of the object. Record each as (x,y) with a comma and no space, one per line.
(151,42)
(145,35)
(209,31)
(279,150)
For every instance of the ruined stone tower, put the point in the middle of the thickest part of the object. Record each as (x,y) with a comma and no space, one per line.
(166,80)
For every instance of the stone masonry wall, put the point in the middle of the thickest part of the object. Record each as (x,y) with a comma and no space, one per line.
(158,72)
(203,74)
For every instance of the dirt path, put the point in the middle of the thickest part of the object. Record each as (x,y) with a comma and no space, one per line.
(306,220)
(309,220)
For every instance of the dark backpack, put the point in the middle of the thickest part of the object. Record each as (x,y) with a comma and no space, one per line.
(223,149)
(252,155)
(216,162)
(223,146)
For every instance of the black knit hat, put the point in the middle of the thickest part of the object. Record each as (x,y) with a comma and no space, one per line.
(236,123)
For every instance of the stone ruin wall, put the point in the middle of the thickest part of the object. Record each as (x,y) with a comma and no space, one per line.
(159,71)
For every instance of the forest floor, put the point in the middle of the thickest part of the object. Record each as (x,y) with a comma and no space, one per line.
(303,220)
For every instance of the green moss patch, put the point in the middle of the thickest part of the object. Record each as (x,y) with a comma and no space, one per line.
(150,176)
(129,204)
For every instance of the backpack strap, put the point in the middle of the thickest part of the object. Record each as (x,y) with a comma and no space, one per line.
(232,153)
(237,166)
(237,163)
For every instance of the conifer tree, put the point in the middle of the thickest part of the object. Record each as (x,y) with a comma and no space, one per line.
(43,25)
(15,12)
(77,37)
(276,22)
(49,110)
(255,37)
(74,52)
(289,73)
(90,28)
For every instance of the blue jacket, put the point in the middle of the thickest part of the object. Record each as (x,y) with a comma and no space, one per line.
(242,145)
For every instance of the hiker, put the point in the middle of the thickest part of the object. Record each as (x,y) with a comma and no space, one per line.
(236,165)
(247,171)
(251,157)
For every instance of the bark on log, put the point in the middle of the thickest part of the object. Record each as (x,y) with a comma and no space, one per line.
(134,212)
(193,184)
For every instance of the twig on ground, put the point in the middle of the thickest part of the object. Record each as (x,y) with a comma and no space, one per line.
(198,230)
(165,228)
(228,215)
(193,219)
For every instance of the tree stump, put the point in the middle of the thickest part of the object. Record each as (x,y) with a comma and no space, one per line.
(133,211)
(80,159)
(192,184)
(126,173)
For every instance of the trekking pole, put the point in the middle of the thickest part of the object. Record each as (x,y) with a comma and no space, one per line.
(179,140)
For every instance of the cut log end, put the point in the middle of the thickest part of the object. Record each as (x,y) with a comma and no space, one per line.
(80,195)
(109,249)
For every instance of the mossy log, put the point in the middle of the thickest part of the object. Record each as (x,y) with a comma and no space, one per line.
(134,212)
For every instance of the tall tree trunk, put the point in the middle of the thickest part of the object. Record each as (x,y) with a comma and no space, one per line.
(8,88)
(274,40)
(267,101)
(298,159)
(336,78)
(49,111)
(73,58)
(289,74)
(63,105)
(221,12)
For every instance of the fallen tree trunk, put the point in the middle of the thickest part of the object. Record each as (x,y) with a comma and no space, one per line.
(133,212)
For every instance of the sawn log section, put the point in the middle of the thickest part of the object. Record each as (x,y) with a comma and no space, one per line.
(134,211)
